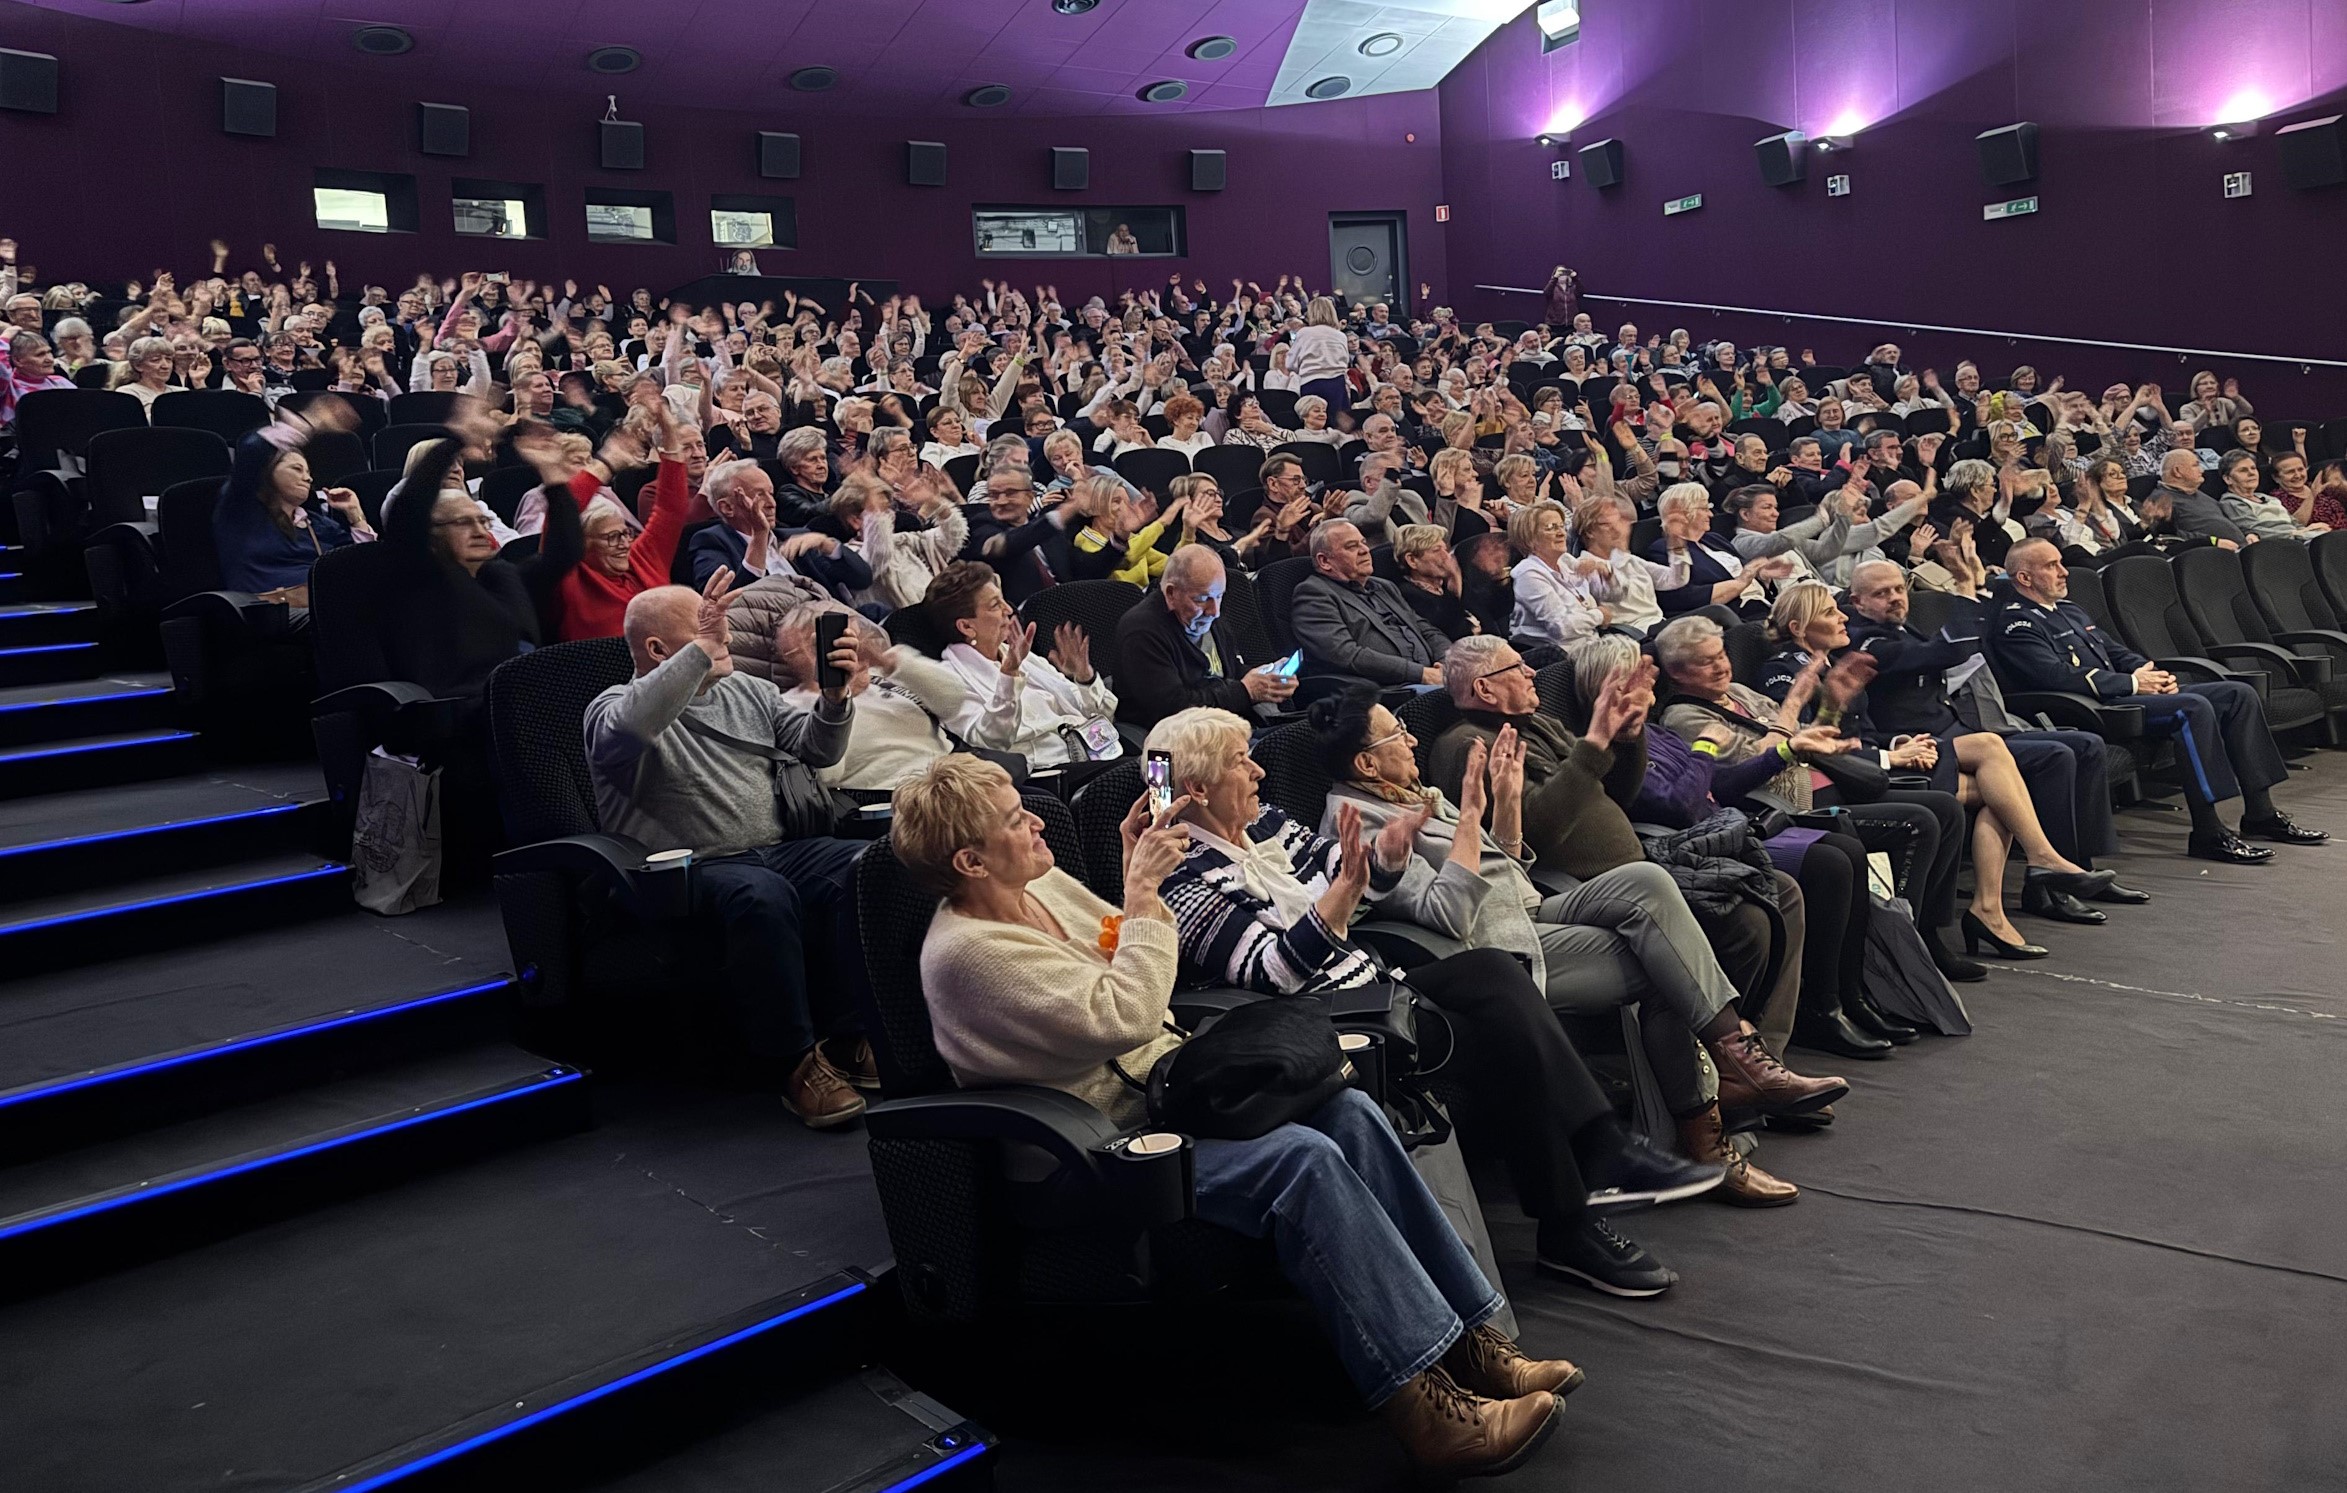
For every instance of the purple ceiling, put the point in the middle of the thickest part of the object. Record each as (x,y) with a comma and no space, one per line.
(890,54)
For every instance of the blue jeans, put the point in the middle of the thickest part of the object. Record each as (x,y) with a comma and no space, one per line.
(786,919)
(1357,1233)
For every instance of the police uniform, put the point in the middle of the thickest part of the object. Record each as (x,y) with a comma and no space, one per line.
(2063,770)
(2219,728)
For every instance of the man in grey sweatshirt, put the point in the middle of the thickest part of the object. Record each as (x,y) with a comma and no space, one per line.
(670,786)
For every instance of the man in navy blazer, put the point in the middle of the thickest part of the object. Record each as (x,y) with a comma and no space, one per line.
(745,539)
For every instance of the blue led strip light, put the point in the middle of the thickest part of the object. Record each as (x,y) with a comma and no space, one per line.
(161,827)
(68,610)
(601,1391)
(972,1452)
(128,694)
(44,648)
(555,1078)
(151,738)
(8,930)
(234,1045)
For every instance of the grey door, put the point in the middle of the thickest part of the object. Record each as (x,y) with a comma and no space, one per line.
(1366,258)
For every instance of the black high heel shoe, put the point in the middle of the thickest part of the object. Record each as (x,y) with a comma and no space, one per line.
(1875,1021)
(1976,933)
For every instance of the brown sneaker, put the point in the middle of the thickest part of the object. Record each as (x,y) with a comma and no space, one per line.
(1451,1433)
(851,1058)
(818,1095)
(1750,1078)
(1747,1186)
(1484,1362)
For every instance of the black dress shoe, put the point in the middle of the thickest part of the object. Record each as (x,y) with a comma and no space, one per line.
(2125,896)
(1875,1021)
(1834,1032)
(2279,827)
(1952,965)
(2228,847)
(2075,883)
(1976,933)
(2040,898)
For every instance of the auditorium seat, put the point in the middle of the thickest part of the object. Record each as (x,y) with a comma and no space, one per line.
(2215,595)
(2150,616)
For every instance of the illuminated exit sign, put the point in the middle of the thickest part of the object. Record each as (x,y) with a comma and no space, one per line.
(1678,205)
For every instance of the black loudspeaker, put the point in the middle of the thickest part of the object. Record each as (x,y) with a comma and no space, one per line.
(778,156)
(623,145)
(2008,155)
(28,81)
(1784,159)
(248,108)
(925,163)
(1071,168)
(2314,154)
(1601,164)
(444,129)
(1209,170)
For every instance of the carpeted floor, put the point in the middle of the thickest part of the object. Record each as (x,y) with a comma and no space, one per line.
(2101,1244)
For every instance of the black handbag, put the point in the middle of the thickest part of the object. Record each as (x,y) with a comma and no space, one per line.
(1856,776)
(804,808)
(1250,1070)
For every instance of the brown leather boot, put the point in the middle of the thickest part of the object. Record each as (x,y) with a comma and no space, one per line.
(1484,1362)
(818,1095)
(1451,1433)
(851,1058)
(1747,1186)
(1752,1079)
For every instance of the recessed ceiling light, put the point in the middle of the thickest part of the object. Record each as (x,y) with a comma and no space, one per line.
(814,79)
(987,96)
(383,41)
(1329,87)
(1383,44)
(1074,7)
(1166,92)
(614,60)
(1213,48)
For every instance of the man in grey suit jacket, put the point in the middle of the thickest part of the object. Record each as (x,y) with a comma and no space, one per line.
(2197,515)
(1351,623)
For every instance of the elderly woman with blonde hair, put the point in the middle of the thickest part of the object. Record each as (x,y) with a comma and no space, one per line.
(1031,979)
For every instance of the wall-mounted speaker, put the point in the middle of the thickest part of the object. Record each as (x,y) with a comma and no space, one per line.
(444,129)
(1601,163)
(778,156)
(623,144)
(1209,171)
(2314,154)
(1784,159)
(28,81)
(925,163)
(248,108)
(2008,155)
(1071,168)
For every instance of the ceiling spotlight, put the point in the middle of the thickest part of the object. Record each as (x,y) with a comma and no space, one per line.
(1832,143)
(814,79)
(1213,48)
(1333,86)
(1166,92)
(987,96)
(2239,129)
(614,60)
(1074,7)
(383,41)
(1383,44)
(1555,138)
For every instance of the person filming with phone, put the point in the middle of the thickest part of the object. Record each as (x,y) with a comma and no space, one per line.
(1173,650)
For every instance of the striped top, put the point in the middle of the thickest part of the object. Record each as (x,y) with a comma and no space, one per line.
(1231,936)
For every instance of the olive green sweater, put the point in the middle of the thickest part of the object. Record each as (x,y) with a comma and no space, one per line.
(1576,794)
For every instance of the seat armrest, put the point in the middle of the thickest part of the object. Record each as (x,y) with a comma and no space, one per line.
(1403,944)
(2280,662)
(375,695)
(2065,711)
(1096,1176)
(2194,669)
(240,609)
(1193,1007)
(610,862)
(2323,639)
(126,534)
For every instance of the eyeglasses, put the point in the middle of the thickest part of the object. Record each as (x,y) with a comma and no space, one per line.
(477,521)
(1396,734)
(1506,669)
(616,536)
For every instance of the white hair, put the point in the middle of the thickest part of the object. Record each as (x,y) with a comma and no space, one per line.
(1677,642)
(1681,495)
(1204,743)
(719,481)
(1467,660)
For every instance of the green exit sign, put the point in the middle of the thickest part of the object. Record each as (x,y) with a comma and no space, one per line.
(2017,208)
(1679,205)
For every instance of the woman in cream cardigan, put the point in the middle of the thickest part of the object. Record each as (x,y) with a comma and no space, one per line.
(1032,979)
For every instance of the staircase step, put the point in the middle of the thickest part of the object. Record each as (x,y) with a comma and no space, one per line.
(116,702)
(78,1109)
(12,583)
(60,842)
(34,622)
(66,1216)
(139,917)
(94,761)
(42,663)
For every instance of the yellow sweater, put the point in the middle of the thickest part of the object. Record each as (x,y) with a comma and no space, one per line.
(1144,561)
(1011,1004)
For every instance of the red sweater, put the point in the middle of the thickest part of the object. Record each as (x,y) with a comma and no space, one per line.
(593,601)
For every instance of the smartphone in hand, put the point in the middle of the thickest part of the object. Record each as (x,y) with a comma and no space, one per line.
(1158,769)
(1286,668)
(830,627)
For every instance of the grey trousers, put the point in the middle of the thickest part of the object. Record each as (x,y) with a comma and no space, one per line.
(1630,933)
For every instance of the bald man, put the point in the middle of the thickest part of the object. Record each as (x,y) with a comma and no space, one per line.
(2196,515)
(1173,651)
(683,758)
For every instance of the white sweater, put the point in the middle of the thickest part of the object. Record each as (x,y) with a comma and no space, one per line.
(1024,714)
(895,731)
(903,564)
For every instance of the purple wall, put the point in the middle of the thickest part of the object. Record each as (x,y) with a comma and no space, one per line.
(2133,241)
(134,173)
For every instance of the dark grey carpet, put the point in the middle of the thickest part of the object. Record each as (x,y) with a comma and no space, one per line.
(2101,1244)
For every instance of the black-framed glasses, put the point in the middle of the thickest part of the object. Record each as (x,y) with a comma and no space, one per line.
(1505,669)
